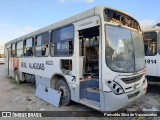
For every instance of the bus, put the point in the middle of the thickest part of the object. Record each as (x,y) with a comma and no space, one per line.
(95,58)
(152,51)
(1,58)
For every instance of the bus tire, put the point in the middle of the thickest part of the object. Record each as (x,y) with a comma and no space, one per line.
(62,86)
(16,76)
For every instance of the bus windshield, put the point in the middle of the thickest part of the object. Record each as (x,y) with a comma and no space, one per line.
(124,49)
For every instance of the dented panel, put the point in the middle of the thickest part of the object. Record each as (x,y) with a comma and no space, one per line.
(42,81)
(49,95)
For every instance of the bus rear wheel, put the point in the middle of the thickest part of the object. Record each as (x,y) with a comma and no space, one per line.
(62,86)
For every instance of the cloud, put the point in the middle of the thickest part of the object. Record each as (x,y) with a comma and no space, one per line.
(146,22)
(87,1)
(158,20)
(11,31)
(62,1)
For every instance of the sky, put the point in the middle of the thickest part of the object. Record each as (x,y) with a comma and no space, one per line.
(19,17)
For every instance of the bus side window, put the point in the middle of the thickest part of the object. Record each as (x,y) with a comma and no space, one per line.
(66,64)
(42,45)
(20,49)
(52,49)
(13,50)
(150,43)
(46,50)
(70,47)
(28,47)
(62,41)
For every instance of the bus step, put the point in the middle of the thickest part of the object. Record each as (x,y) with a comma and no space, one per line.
(91,103)
(91,94)
(92,90)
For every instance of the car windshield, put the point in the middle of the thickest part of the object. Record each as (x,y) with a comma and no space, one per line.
(124,49)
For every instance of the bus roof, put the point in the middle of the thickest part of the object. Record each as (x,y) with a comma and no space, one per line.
(151,28)
(80,16)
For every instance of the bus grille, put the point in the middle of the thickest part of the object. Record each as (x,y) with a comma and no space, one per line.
(130,80)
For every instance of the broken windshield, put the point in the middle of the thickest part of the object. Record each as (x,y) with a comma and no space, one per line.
(124,49)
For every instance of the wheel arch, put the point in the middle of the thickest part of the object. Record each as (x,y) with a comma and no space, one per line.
(55,78)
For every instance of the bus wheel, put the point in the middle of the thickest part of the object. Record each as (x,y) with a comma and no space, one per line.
(62,86)
(16,77)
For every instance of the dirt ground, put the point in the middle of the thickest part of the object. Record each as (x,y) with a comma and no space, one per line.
(14,97)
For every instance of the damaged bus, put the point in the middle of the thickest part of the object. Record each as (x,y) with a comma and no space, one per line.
(95,58)
(152,53)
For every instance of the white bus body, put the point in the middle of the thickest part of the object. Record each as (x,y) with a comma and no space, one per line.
(152,53)
(90,60)
(1,58)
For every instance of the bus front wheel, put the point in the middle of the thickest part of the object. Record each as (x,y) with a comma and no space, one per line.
(62,86)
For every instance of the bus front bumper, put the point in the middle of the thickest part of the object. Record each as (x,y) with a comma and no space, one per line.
(114,102)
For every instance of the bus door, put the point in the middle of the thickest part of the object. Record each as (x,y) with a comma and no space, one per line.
(151,54)
(88,35)
(89,51)
(7,58)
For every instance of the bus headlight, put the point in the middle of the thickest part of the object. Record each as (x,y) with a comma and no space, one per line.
(115,87)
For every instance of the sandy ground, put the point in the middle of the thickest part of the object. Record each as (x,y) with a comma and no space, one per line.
(14,97)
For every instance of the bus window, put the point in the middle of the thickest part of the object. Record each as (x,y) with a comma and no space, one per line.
(150,43)
(42,45)
(20,49)
(28,47)
(13,52)
(62,42)
(66,64)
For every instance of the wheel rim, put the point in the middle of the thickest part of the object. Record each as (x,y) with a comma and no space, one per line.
(63,91)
